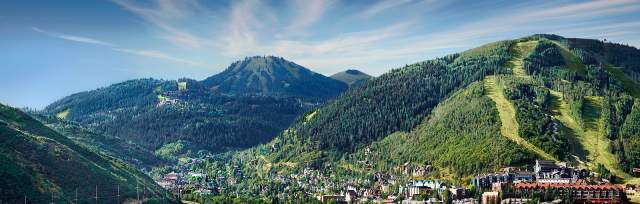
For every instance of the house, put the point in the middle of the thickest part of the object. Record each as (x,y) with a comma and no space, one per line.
(581,193)
(421,170)
(631,190)
(327,198)
(466,201)
(351,196)
(458,192)
(490,198)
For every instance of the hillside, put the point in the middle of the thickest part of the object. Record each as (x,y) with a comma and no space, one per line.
(556,97)
(351,77)
(41,164)
(247,104)
(109,145)
(273,76)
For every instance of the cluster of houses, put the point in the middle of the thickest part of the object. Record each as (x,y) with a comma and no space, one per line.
(185,181)
(547,176)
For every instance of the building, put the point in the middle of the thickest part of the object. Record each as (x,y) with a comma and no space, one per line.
(458,192)
(515,201)
(550,172)
(580,193)
(423,187)
(466,201)
(327,198)
(487,180)
(490,198)
(351,196)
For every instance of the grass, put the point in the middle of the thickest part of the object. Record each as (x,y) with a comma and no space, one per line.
(591,137)
(310,116)
(506,110)
(628,84)
(63,114)
(520,51)
(507,113)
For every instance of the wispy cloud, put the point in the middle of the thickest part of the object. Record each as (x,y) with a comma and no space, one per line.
(240,31)
(164,14)
(73,37)
(88,40)
(156,54)
(308,13)
(253,27)
(382,6)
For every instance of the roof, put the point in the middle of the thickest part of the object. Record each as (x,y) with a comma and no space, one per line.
(547,164)
(492,193)
(562,185)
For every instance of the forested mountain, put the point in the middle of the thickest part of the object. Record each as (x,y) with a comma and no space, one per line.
(273,76)
(555,97)
(41,166)
(351,77)
(247,104)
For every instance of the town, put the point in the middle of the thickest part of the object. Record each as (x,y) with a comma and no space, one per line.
(548,181)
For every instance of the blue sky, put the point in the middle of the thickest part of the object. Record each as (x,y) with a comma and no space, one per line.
(55,48)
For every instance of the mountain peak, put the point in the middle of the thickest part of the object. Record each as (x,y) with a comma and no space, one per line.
(271,75)
(351,77)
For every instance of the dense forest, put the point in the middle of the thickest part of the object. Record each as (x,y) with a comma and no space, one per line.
(215,115)
(395,101)
(452,139)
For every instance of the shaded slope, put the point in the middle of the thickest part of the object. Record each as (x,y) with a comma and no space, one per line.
(39,162)
(152,112)
(109,145)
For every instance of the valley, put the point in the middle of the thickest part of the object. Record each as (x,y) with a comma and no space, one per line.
(267,129)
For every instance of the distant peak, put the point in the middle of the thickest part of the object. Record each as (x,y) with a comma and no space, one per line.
(353,71)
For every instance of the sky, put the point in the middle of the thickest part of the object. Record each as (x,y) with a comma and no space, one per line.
(51,49)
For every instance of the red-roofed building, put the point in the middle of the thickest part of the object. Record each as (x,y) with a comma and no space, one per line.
(581,193)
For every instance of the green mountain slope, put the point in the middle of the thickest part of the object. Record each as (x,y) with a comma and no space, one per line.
(548,81)
(247,104)
(501,104)
(395,101)
(454,139)
(109,145)
(39,163)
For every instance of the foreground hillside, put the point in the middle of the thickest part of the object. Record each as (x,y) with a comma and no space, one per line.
(247,104)
(40,164)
